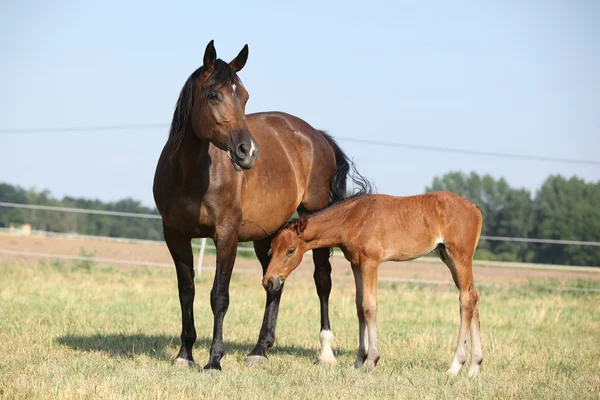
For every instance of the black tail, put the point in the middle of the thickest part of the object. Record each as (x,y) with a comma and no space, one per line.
(344,169)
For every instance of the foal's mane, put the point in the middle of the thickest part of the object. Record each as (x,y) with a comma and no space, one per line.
(221,74)
(365,188)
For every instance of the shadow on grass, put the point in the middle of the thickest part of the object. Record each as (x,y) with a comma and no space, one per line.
(156,346)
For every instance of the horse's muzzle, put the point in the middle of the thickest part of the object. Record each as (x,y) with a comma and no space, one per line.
(274,284)
(245,154)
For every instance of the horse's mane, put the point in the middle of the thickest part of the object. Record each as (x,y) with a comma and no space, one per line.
(222,74)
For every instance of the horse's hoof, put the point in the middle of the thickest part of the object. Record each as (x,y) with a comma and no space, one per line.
(210,369)
(256,360)
(182,362)
(328,361)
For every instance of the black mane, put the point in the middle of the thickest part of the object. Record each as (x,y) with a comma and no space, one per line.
(222,74)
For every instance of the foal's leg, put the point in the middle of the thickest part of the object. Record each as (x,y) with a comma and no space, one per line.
(361,356)
(476,353)
(322,277)
(181,251)
(460,266)
(266,338)
(369,271)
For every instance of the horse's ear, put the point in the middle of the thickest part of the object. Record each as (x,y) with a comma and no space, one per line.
(210,54)
(238,63)
(301,224)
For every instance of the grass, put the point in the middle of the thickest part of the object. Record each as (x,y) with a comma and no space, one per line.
(105,333)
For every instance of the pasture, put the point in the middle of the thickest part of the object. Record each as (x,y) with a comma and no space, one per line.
(93,331)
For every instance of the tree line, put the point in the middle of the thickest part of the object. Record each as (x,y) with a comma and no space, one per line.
(562,208)
(85,224)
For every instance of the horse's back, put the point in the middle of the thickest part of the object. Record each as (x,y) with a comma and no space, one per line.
(291,131)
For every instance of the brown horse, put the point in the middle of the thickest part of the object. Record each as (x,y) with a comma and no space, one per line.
(210,182)
(377,228)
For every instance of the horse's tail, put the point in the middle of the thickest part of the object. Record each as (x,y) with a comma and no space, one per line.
(345,168)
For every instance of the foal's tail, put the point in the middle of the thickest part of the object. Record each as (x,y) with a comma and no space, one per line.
(345,168)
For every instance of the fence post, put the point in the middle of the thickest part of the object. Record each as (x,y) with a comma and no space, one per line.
(200,258)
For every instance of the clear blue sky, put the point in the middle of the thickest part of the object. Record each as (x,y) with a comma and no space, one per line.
(504,76)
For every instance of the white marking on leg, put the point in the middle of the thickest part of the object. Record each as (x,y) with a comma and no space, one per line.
(460,354)
(326,354)
(476,353)
(455,367)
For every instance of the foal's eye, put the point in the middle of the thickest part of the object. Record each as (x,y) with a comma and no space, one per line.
(213,96)
(291,251)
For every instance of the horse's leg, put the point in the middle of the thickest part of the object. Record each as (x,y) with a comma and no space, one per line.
(369,270)
(181,251)
(226,240)
(361,356)
(461,269)
(266,337)
(322,277)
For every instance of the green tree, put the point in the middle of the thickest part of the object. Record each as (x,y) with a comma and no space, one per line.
(568,209)
(89,224)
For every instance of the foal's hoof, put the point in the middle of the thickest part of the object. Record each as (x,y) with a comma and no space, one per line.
(256,360)
(182,362)
(473,371)
(371,364)
(454,368)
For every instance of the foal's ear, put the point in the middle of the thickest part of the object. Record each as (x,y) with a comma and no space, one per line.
(210,54)
(238,62)
(301,224)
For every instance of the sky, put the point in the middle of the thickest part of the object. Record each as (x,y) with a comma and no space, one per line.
(501,76)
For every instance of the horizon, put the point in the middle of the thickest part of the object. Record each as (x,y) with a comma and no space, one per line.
(532,194)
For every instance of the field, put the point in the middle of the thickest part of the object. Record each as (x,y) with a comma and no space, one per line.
(96,331)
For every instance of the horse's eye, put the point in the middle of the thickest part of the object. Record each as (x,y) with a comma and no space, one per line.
(291,251)
(213,96)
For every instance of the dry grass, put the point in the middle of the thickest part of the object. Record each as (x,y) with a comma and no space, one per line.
(95,332)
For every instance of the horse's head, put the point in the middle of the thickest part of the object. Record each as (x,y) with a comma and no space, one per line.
(213,102)
(287,250)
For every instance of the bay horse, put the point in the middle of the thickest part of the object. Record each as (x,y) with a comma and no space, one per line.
(373,229)
(211,182)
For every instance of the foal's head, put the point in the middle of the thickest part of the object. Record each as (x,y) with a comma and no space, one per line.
(213,104)
(287,250)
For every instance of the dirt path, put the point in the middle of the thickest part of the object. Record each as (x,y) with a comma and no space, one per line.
(159,254)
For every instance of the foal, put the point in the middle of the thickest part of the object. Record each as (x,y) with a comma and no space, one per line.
(372,229)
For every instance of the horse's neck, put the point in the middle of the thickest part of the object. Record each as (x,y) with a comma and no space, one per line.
(324,229)
(192,161)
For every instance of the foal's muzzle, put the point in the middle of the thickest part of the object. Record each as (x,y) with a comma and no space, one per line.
(274,284)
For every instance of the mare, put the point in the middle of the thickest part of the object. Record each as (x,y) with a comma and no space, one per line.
(211,182)
(377,228)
